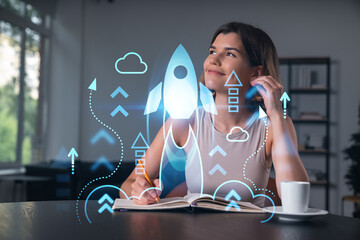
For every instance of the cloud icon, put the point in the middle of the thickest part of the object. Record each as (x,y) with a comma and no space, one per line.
(233,194)
(142,66)
(237,140)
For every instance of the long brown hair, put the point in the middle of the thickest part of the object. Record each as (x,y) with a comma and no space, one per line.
(259,48)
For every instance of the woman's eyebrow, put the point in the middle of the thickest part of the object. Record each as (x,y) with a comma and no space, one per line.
(235,49)
(227,48)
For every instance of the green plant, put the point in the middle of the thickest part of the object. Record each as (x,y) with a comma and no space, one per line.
(353,154)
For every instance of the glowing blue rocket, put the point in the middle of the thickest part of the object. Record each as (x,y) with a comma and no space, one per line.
(180,89)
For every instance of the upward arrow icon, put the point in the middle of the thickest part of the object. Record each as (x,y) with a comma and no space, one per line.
(217,149)
(284,98)
(105,197)
(119,90)
(102,134)
(238,82)
(106,206)
(93,85)
(231,194)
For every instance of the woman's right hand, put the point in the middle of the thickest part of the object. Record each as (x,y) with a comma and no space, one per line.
(139,185)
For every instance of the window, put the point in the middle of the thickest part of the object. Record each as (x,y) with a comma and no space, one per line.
(23,36)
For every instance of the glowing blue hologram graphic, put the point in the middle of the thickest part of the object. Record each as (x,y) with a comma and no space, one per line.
(62,154)
(234,108)
(102,133)
(237,140)
(233,91)
(119,108)
(103,177)
(238,84)
(233,204)
(252,195)
(285,97)
(262,113)
(62,178)
(139,153)
(233,100)
(189,154)
(93,85)
(62,192)
(96,189)
(119,90)
(180,95)
(153,101)
(72,154)
(252,91)
(207,99)
(137,143)
(106,206)
(172,167)
(217,149)
(102,161)
(261,147)
(61,159)
(180,72)
(231,194)
(127,72)
(217,168)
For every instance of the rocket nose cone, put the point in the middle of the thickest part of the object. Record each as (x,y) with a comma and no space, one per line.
(180,48)
(180,85)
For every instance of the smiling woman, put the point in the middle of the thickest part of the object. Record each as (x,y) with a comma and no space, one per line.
(240,58)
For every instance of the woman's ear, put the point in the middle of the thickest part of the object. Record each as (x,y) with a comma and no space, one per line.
(257,71)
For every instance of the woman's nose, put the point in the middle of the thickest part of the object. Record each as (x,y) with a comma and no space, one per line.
(214,60)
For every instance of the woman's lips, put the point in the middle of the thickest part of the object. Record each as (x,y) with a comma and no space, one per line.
(215,72)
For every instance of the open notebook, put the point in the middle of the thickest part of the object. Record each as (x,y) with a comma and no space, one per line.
(193,201)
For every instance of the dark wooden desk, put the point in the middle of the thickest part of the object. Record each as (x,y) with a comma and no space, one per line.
(57,220)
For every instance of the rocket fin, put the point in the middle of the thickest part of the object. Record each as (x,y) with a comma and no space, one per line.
(153,101)
(207,99)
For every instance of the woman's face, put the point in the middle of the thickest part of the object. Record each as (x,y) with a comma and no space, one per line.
(226,54)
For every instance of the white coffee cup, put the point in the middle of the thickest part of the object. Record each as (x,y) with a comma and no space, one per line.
(295,196)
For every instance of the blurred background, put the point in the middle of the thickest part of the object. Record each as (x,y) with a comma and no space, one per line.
(51,51)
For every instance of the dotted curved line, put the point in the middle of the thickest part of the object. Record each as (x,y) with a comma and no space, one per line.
(252,155)
(117,167)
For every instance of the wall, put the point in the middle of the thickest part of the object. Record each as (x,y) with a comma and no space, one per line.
(89,36)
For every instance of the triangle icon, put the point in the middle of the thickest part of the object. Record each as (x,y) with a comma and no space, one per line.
(238,84)
(140,142)
(93,85)
(262,113)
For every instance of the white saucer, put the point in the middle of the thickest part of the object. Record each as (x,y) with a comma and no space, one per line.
(311,212)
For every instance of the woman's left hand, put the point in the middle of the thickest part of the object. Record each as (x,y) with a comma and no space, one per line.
(271,91)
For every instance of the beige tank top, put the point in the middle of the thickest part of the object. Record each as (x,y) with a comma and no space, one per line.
(233,161)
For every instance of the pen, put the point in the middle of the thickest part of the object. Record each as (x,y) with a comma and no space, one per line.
(147,177)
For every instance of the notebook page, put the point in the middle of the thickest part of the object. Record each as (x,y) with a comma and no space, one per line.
(165,203)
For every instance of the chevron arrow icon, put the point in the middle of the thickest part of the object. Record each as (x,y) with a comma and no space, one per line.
(119,90)
(217,149)
(234,205)
(106,197)
(102,161)
(231,194)
(119,108)
(102,134)
(105,207)
(217,168)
